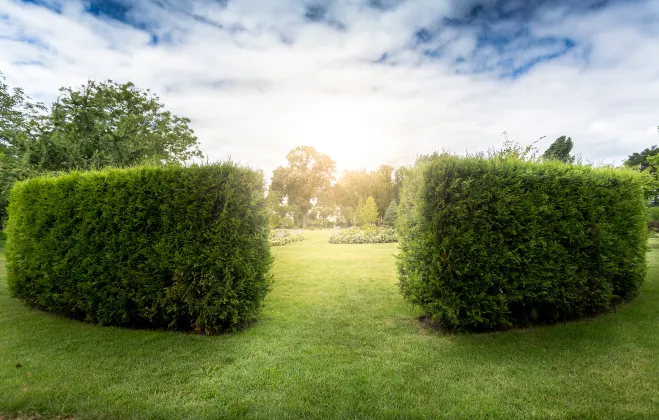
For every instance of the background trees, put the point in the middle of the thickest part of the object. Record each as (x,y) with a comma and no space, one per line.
(308,174)
(92,126)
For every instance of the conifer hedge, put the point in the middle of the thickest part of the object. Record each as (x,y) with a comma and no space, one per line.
(169,247)
(496,243)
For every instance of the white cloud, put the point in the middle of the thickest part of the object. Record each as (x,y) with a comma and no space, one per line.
(254,97)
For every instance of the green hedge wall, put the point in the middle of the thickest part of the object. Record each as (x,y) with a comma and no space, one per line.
(168,247)
(495,243)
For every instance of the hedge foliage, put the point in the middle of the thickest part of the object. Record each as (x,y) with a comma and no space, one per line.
(363,235)
(496,243)
(280,237)
(172,247)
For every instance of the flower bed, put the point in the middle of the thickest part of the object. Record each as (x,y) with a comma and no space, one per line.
(280,237)
(368,235)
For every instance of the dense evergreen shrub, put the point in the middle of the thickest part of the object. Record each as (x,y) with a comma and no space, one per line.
(363,235)
(495,243)
(173,247)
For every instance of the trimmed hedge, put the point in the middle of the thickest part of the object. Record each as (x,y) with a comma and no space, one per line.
(363,235)
(183,248)
(495,243)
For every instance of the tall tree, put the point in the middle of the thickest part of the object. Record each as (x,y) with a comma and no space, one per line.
(391,215)
(111,124)
(92,126)
(368,212)
(560,150)
(21,120)
(399,178)
(308,174)
(383,188)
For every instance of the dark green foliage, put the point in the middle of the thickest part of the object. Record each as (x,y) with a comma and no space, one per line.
(173,247)
(496,243)
(560,150)
(640,160)
(391,215)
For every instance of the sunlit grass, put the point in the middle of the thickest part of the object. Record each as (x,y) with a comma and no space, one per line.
(334,339)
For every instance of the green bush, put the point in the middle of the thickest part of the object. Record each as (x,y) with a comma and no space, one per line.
(364,235)
(3,235)
(280,237)
(174,247)
(496,243)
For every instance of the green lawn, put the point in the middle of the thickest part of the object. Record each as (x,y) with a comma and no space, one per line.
(334,339)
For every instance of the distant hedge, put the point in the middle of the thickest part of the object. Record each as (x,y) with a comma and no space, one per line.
(494,243)
(175,247)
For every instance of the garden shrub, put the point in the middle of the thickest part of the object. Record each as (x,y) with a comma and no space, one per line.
(496,243)
(364,235)
(279,237)
(172,247)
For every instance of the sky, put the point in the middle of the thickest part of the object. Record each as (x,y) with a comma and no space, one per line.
(368,82)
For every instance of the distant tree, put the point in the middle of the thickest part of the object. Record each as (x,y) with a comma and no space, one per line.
(560,150)
(391,215)
(276,207)
(640,161)
(307,176)
(359,221)
(647,161)
(382,188)
(349,215)
(368,214)
(399,177)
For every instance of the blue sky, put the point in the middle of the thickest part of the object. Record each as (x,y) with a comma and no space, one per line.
(367,81)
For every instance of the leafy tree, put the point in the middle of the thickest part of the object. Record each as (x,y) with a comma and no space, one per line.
(95,125)
(111,124)
(560,150)
(641,162)
(368,213)
(277,208)
(383,188)
(359,185)
(391,215)
(21,120)
(647,161)
(308,174)
(349,215)
(399,178)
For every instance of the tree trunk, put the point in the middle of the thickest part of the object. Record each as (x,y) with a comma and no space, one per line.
(305,221)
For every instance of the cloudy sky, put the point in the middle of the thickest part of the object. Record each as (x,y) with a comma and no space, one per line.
(366,81)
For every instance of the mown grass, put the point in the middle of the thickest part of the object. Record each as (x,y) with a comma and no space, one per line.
(334,339)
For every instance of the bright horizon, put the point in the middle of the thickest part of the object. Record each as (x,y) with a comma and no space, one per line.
(366,82)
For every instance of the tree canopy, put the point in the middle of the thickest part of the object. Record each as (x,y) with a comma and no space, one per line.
(367,213)
(308,174)
(560,150)
(92,126)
